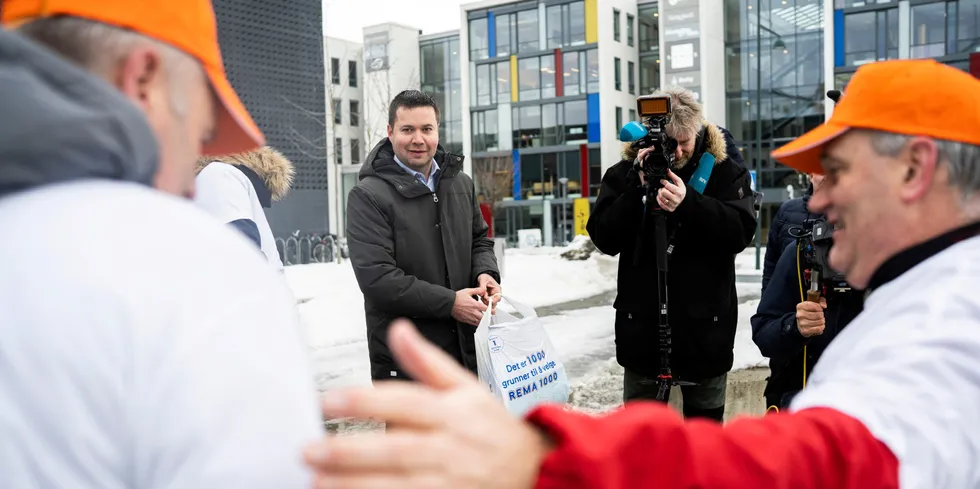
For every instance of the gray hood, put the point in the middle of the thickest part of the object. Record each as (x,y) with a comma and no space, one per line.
(59,123)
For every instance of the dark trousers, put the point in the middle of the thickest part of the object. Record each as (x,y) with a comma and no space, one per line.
(704,400)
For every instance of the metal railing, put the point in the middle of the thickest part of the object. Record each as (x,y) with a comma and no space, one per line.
(311,248)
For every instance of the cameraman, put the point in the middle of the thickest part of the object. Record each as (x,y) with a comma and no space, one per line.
(791,214)
(708,229)
(792,331)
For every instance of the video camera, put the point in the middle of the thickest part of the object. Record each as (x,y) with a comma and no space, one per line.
(650,131)
(815,239)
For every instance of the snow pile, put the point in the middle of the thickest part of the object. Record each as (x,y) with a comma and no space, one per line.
(579,249)
(541,277)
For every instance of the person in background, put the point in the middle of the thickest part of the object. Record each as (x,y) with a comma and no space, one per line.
(892,402)
(791,214)
(417,239)
(144,344)
(237,188)
(708,230)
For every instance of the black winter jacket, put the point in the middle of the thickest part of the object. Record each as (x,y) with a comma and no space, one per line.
(412,249)
(710,230)
(791,214)
(775,332)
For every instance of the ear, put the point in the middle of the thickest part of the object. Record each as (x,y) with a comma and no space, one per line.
(920,168)
(389,131)
(138,74)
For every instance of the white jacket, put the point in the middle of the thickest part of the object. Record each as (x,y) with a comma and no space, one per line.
(908,368)
(134,356)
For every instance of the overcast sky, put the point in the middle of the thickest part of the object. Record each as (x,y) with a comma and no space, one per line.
(346,18)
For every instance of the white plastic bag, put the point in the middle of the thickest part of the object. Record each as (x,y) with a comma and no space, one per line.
(516,359)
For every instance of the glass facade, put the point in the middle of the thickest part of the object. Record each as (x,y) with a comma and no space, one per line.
(774,84)
(648,27)
(947,30)
(440,79)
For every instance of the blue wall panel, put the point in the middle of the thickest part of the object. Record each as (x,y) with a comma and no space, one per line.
(517,175)
(593,108)
(838,37)
(492,34)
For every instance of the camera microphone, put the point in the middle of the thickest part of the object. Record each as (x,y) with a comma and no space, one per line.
(834,95)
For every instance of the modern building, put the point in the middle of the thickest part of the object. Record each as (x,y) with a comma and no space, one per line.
(345,123)
(391,64)
(534,92)
(273,52)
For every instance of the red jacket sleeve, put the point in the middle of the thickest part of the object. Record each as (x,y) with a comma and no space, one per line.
(648,445)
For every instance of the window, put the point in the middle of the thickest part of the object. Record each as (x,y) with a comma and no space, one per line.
(571,73)
(485,131)
(649,30)
(529,78)
(352,74)
(355,151)
(503,81)
(592,68)
(506,34)
(335,71)
(649,75)
(630,77)
(337,116)
(527,31)
(870,37)
(616,25)
(355,112)
(632,115)
(617,74)
(485,90)
(554,26)
(338,150)
(967,26)
(548,76)
(565,25)
(629,30)
(618,122)
(479,40)
(550,124)
(928,38)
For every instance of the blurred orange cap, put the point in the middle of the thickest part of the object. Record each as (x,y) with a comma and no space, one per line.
(913,97)
(188,25)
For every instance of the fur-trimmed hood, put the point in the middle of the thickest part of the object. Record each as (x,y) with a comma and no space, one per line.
(270,165)
(715,144)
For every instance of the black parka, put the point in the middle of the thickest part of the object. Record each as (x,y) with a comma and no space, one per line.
(412,249)
(709,230)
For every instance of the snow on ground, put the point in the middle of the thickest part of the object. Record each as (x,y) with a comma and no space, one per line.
(331,306)
(332,313)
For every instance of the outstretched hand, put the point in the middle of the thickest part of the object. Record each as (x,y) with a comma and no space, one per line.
(446,416)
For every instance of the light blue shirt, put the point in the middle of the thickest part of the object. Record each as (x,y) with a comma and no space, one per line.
(433,174)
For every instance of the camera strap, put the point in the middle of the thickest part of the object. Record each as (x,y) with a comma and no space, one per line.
(699,180)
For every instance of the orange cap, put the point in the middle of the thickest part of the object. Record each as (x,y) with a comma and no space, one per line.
(188,25)
(913,97)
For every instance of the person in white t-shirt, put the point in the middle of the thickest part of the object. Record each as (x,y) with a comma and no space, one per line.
(237,188)
(132,354)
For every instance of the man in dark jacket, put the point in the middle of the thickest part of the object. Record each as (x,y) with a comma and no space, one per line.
(417,239)
(709,228)
(791,214)
(792,331)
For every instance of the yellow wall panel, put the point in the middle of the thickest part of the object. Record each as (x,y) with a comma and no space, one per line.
(591,21)
(513,78)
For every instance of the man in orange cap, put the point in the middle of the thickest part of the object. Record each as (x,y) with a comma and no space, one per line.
(131,353)
(892,402)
